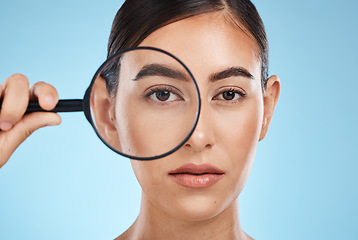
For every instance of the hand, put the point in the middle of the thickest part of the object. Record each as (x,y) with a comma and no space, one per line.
(15,125)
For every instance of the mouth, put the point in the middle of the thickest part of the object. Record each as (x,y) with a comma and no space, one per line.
(196,176)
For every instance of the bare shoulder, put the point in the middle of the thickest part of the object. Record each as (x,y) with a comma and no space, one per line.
(129,234)
(123,236)
(126,235)
(248,237)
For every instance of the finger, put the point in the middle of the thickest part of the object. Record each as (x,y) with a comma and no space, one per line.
(46,94)
(10,140)
(15,94)
(1,90)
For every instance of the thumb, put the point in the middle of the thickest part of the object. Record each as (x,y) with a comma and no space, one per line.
(11,139)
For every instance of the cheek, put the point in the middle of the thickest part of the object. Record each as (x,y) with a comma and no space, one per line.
(145,130)
(151,176)
(146,172)
(239,129)
(237,136)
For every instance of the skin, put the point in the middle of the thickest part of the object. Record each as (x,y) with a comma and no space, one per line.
(226,135)
(140,117)
(15,127)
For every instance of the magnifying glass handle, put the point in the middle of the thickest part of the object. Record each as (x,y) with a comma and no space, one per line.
(64,105)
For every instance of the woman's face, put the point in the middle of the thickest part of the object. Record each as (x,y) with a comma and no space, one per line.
(207,174)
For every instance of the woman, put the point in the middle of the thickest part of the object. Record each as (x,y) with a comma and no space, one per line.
(192,193)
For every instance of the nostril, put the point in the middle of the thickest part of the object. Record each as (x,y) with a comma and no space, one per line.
(198,148)
(208,146)
(202,139)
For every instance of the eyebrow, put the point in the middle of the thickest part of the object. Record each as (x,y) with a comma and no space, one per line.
(231,72)
(160,70)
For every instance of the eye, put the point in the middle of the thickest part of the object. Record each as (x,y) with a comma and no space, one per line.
(163,94)
(231,95)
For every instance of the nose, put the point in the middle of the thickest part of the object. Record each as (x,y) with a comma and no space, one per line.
(203,136)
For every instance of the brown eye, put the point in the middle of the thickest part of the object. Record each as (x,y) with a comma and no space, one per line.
(162,95)
(228,95)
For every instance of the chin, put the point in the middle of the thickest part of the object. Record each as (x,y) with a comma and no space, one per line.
(198,207)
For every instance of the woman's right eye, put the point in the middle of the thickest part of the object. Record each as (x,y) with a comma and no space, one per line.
(163,95)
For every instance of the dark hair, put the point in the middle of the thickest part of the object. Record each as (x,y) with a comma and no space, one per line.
(137,19)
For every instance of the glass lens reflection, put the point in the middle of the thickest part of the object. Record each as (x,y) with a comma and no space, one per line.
(144,103)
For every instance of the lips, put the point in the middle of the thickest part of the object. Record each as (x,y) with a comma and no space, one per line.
(196,176)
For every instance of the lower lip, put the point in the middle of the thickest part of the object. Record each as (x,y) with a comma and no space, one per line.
(196,181)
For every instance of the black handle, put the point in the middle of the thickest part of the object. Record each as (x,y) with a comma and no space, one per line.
(64,105)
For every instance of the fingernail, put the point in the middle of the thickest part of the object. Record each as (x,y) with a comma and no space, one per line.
(5,126)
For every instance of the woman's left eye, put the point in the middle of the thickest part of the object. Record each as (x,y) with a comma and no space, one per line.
(230,95)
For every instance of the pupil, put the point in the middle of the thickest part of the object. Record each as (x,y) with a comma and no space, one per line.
(228,95)
(163,95)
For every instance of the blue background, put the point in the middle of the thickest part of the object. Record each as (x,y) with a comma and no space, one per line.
(63,183)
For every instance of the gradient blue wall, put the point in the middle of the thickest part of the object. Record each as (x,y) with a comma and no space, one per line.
(63,183)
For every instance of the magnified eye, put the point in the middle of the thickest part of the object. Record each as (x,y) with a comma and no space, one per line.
(165,94)
(230,95)
(162,95)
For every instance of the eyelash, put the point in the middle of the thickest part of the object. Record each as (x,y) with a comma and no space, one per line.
(240,92)
(173,91)
(160,89)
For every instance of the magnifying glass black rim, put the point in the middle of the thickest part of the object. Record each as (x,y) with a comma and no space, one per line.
(87,109)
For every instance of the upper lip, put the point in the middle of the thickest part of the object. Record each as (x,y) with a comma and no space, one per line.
(192,168)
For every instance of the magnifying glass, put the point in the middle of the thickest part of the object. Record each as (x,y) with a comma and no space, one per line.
(143,103)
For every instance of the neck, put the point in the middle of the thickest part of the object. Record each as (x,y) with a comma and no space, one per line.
(153,223)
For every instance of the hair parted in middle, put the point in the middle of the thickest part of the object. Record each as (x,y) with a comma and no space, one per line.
(137,19)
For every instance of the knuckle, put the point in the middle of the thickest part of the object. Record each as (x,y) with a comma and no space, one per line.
(40,87)
(43,89)
(37,87)
(23,131)
(10,115)
(18,80)
(39,84)
(18,75)
(27,132)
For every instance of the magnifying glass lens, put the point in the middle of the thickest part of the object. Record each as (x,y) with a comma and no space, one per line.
(144,103)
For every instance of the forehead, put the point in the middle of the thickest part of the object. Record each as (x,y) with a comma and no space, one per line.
(207,43)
